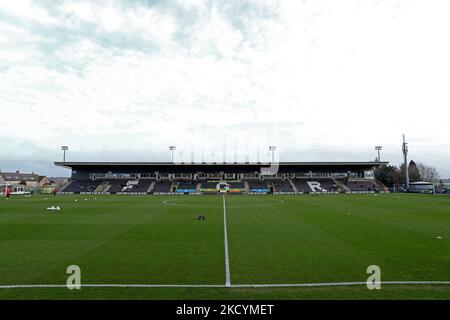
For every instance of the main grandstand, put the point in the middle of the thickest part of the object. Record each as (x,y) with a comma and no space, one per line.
(210,178)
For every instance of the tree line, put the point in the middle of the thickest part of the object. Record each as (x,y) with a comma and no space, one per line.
(393,175)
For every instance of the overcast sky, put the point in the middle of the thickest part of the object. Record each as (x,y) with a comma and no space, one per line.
(322,80)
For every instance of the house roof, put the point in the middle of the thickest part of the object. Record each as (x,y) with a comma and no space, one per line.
(19,176)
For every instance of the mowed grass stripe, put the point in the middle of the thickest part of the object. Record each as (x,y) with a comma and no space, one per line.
(326,243)
(278,247)
(55,246)
(400,251)
(306,239)
(156,243)
(174,248)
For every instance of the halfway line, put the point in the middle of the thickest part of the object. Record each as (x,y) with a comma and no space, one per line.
(227,259)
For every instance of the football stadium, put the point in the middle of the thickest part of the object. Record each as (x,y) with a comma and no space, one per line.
(213,178)
(240,154)
(225,231)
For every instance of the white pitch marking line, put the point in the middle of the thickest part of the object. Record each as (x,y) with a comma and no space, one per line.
(227,259)
(115,286)
(268,285)
(338,284)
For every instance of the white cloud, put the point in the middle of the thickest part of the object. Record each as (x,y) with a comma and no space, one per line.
(83,52)
(341,76)
(83,10)
(154,25)
(215,34)
(27,10)
(110,18)
(113,16)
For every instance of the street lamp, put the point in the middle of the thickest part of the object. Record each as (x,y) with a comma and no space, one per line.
(64,149)
(172,149)
(378,148)
(272,149)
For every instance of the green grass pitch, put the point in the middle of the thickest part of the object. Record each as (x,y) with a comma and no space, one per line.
(158,240)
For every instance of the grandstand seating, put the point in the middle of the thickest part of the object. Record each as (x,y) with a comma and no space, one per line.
(187,185)
(301,185)
(236,185)
(362,185)
(77,186)
(280,185)
(103,187)
(328,184)
(257,184)
(117,185)
(209,184)
(315,185)
(232,184)
(139,186)
(162,186)
(323,185)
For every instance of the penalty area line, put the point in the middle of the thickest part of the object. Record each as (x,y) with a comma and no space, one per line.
(267,285)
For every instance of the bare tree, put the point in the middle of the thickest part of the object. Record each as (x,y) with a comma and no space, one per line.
(428,173)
